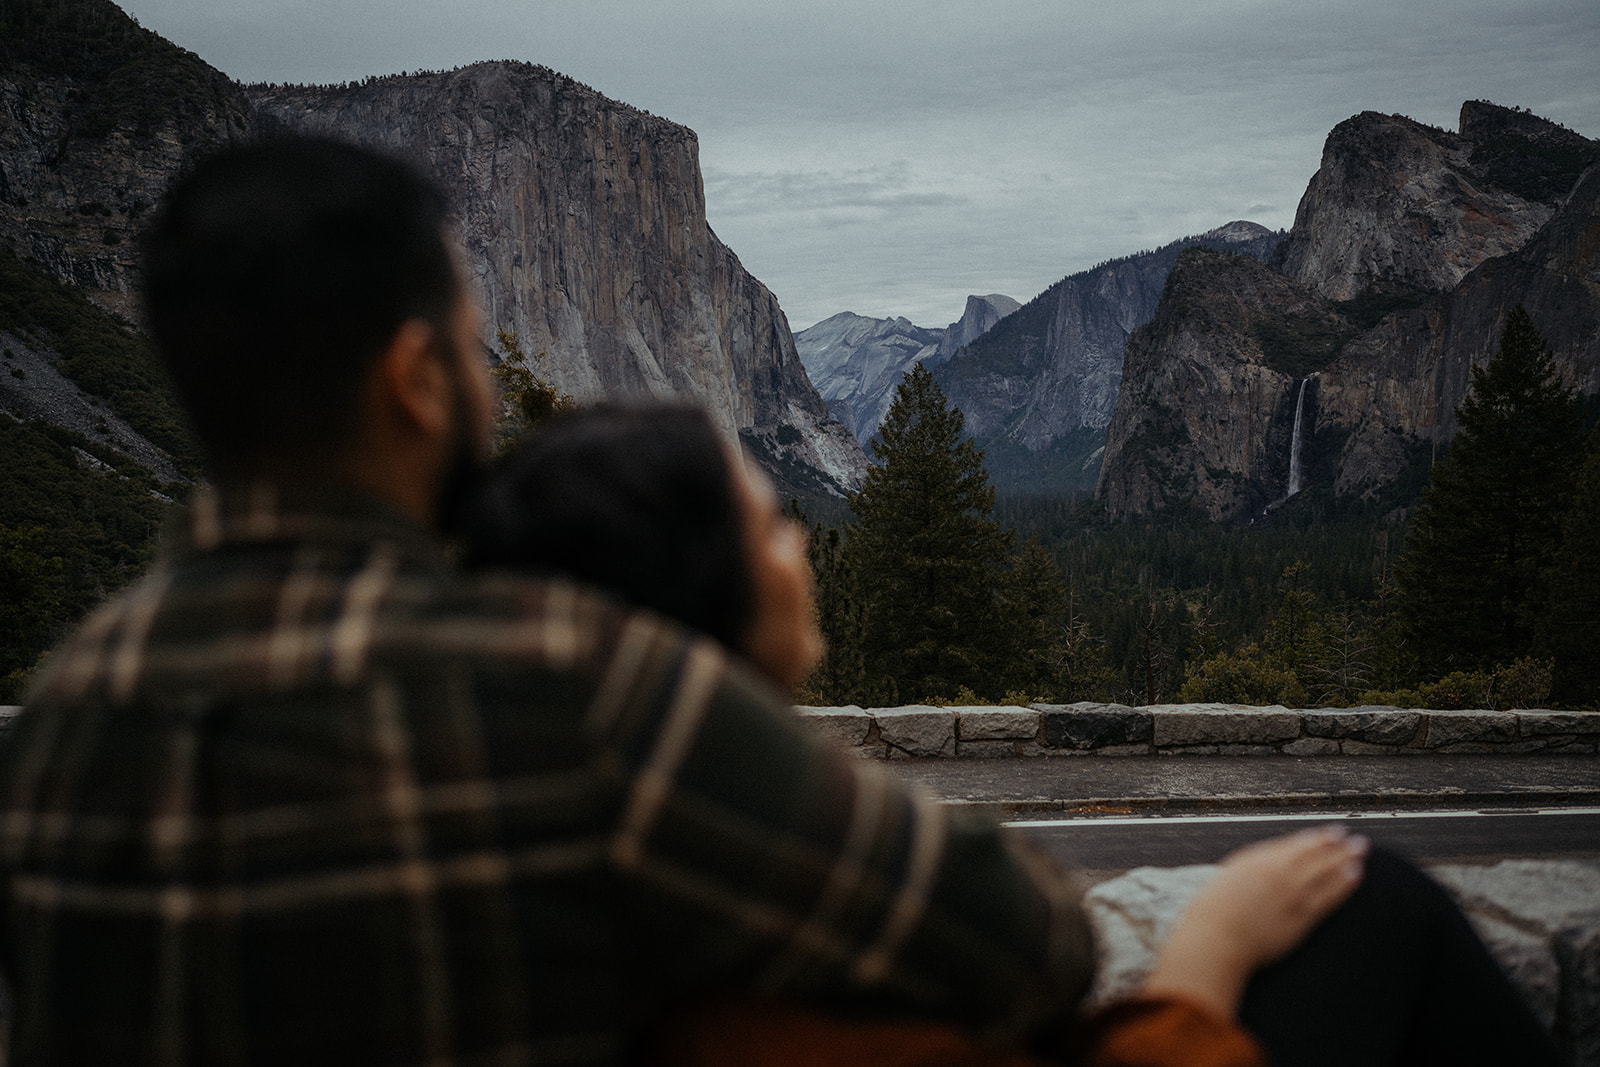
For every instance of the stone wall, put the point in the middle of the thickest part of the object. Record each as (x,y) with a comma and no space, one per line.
(1088,729)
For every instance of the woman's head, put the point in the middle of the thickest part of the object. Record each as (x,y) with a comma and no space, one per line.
(649,504)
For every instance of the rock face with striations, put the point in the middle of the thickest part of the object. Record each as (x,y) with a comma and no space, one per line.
(585,230)
(97,116)
(1342,365)
(1038,389)
(857,362)
(1398,204)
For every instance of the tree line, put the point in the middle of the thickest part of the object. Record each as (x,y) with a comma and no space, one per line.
(1488,597)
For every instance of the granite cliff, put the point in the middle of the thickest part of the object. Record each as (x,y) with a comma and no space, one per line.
(585,232)
(1340,365)
(1039,388)
(857,362)
(1400,205)
(584,218)
(96,118)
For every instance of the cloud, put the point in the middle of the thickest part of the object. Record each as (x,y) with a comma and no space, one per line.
(890,158)
(883,190)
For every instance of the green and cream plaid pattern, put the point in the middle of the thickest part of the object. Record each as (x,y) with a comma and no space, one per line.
(307,795)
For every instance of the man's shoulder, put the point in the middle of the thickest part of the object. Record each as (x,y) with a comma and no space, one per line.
(517,617)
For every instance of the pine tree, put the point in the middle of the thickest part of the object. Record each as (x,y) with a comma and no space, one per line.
(1571,629)
(840,678)
(928,557)
(1485,536)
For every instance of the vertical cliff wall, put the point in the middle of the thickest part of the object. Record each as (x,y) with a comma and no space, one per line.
(1410,246)
(1397,204)
(585,230)
(97,116)
(1039,388)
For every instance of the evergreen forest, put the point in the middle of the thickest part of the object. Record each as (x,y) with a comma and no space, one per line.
(1484,593)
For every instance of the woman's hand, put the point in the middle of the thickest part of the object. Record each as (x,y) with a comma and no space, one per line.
(1265,899)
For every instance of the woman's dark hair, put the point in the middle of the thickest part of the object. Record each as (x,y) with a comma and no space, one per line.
(638,501)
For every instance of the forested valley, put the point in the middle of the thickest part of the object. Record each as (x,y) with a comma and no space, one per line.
(1482,592)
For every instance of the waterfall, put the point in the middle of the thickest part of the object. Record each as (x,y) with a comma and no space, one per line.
(1295,480)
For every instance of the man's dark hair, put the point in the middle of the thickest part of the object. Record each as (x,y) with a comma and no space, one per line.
(274,275)
(638,501)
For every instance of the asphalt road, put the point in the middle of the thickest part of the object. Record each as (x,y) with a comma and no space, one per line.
(1105,846)
(1106,815)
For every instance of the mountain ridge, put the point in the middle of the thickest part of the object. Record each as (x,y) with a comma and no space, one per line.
(856,362)
(1409,246)
(97,116)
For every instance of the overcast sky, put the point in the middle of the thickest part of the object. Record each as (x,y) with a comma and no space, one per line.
(888,157)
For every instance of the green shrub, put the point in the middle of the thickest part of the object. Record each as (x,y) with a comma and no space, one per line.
(1244,677)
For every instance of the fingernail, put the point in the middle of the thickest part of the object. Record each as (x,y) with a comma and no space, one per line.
(1357,844)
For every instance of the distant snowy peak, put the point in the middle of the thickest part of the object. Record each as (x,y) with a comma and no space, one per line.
(856,362)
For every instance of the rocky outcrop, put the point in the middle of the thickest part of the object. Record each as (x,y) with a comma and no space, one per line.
(1400,205)
(585,231)
(981,315)
(857,362)
(96,118)
(1243,368)
(1039,388)
(1209,389)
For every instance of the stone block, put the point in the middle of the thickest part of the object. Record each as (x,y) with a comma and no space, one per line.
(917,730)
(1132,916)
(996,724)
(1114,750)
(1557,901)
(1188,750)
(1375,726)
(847,726)
(1448,727)
(1222,724)
(1246,750)
(1553,723)
(1528,960)
(1549,894)
(1311,746)
(1577,948)
(1089,725)
(1484,748)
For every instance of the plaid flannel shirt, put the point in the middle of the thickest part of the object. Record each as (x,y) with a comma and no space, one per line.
(305,794)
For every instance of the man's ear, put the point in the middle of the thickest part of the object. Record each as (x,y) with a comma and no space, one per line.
(414,380)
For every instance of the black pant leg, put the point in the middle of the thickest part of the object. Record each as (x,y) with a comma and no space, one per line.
(1395,975)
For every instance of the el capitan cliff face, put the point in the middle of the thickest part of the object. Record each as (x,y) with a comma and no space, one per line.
(585,232)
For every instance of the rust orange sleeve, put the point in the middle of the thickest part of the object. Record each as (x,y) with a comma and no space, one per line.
(1164,1032)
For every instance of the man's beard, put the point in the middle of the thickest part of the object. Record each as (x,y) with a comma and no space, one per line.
(466,470)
